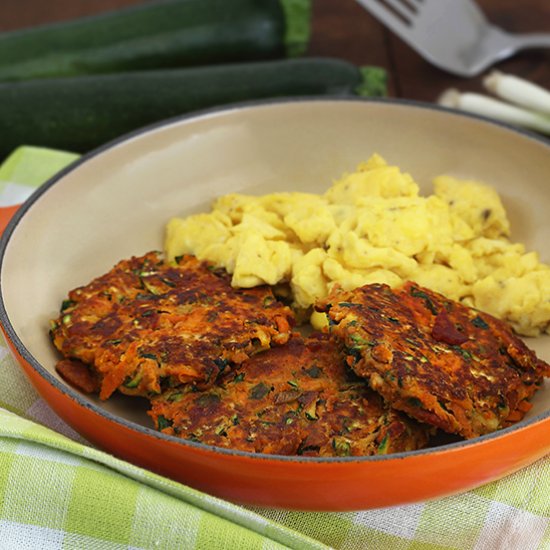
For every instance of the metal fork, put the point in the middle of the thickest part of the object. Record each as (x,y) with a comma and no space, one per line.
(453,35)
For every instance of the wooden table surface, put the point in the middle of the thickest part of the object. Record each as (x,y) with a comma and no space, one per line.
(342,28)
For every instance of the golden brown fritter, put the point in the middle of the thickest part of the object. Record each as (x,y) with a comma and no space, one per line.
(147,325)
(295,399)
(441,362)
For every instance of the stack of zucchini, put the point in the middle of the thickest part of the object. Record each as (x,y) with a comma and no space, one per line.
(76,85)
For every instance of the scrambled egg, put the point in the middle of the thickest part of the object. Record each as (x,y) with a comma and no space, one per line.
(373,226)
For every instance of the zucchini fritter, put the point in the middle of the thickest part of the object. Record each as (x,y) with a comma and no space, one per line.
(147,325)
(439,361)
(295,399)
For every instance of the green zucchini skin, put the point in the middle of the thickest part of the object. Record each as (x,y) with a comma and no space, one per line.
(81,113)
(158,34)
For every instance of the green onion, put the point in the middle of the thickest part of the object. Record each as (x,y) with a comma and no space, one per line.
(414,402)
(163,422)
(174,397)
(311,411)
(499,110)
(519,91)
(134,382)
(146,273)
(220,363)
(356,339)
(341,447)
(148,356)
(479,322)
(383,447)
(66,304)
(465,353)
(428,303)
(168,282)
(221,430)
(149,286)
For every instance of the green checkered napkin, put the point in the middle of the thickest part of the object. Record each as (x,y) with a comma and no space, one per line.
(56,491)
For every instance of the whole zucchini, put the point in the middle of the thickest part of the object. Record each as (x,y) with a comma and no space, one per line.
(80,113)
(158,34)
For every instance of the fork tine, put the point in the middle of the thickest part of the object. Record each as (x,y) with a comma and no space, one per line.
(412,5)
(395,21)
(400,7)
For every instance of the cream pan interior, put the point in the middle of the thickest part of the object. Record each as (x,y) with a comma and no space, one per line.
(115,203)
